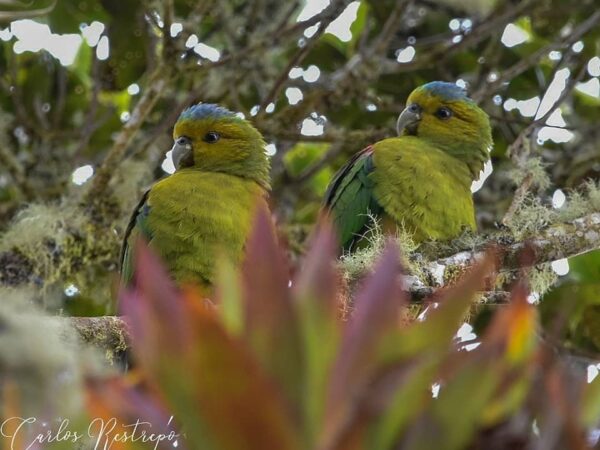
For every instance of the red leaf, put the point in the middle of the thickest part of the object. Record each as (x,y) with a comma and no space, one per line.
(237,403)
(118,400)
(209,379)
(376,312)
(514,327)
(315,295)
(153,306)
(319,279)
(271,327)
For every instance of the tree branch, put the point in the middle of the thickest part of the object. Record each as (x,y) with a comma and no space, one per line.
(17,172)
(555,242)
(558,241)
(108,333)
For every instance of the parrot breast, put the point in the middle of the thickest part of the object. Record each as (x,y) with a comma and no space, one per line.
(196,216)
(423,189)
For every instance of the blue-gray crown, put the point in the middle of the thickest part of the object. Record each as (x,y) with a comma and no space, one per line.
(205,111)
(447,91)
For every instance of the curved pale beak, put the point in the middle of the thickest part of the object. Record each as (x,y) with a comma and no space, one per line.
(182,154)
(409,119)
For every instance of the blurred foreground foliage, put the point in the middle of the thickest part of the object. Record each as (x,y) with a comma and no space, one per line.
(272,364)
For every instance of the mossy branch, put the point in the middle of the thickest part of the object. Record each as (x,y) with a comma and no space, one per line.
(109,333)
(558,241)
(555,242)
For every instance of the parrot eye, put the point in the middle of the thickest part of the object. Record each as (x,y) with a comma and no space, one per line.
(211,137)
(183,141)
(443,113)
(414,108)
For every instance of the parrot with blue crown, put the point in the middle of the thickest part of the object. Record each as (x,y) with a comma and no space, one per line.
(205,209)
(419,181)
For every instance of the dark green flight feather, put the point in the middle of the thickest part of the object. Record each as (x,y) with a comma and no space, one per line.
(349,198)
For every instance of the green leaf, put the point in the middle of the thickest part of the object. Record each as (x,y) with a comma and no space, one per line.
(67,16)
(302,155)
(81,67)
(436,332)
(590,408)
(229,296)
(406,400)
(454,415)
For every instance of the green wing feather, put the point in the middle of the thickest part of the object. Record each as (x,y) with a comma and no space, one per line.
(349,198)
(137,227)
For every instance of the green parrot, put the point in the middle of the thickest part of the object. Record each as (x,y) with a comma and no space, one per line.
(206,207)
(421,180)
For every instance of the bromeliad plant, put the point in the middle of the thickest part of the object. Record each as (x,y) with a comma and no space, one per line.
(272,364)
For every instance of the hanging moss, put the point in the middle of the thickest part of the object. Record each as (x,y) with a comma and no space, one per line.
(542,278)
(354,265)
(533,214)
(534,168)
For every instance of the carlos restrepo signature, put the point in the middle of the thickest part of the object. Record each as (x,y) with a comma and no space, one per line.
(103,433)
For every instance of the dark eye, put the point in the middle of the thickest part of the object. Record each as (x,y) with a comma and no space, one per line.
(414,108)
(443,113)
(183,141)
(211,137)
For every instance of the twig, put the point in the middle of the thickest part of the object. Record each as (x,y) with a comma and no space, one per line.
(279,83)
(91,123)
(518,198)
(476,35)
(417,295)
(332,134)
(533,59)
(372,53)
(333,151)
(382,42)
(17,172)
(14,90)
(155,86)
(269,40)
(111,333)
(286,16)
(564,94)
(168,49)
(489,26)
(59,105)
(524,122)
(555,242)
(520,149)
(23,14)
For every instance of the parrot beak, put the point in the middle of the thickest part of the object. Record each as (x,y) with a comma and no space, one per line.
(409,120)
(182,154)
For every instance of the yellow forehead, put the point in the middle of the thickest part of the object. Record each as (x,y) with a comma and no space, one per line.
(235,129)
(194,128)
(427,101)
(430,103)
(190,128)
